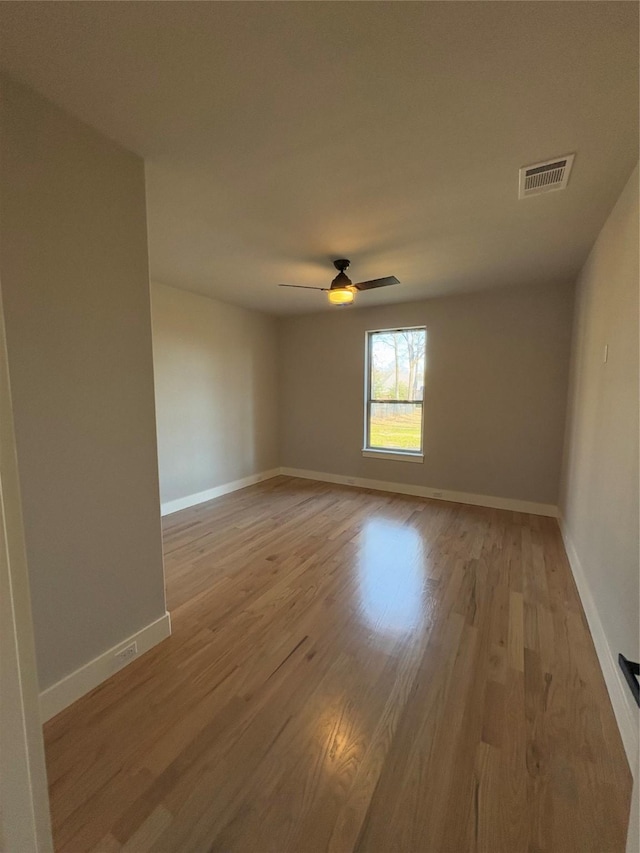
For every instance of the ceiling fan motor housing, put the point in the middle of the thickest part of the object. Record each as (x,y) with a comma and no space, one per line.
(341,280)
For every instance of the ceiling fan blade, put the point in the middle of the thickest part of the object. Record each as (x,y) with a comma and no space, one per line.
(303,286)
(376,282)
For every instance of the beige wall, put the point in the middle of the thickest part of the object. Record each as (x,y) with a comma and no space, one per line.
(216,392)
(599,500)
(73,266)
(495,393)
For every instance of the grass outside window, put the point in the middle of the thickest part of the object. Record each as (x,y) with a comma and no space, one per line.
(396,430)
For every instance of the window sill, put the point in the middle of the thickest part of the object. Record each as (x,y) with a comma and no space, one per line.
(395,455)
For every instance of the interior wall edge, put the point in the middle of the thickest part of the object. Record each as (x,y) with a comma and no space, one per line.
(78,338)
(490,501)
(616,686)
(80,682)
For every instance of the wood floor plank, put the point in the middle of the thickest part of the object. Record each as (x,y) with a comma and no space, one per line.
(350,672)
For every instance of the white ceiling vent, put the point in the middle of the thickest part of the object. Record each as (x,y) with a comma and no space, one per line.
(545,177)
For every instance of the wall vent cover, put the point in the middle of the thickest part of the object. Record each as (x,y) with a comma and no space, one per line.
(545,177)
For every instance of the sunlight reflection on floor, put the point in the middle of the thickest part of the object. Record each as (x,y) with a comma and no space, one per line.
(391,579)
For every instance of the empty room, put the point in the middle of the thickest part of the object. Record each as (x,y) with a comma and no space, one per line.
(319,427)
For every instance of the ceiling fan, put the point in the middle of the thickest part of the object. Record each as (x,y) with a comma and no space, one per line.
(342,290)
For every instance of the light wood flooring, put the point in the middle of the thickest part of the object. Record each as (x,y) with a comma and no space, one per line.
(350,672)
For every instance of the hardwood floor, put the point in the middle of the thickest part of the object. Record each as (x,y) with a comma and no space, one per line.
(350,671)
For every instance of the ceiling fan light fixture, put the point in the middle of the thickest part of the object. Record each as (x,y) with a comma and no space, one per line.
(343,290)
(340,296)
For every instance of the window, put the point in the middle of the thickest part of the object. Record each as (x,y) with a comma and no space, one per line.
(394,393)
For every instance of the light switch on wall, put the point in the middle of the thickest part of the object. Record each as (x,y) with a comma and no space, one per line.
(605,354)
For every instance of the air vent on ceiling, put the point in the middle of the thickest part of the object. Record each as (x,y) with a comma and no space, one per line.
(545,177)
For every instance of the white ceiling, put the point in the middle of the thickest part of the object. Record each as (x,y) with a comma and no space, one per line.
(281,135)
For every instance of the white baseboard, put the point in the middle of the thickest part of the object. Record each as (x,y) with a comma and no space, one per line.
(623,705)
(427,492)
(60,695)
(217,491)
